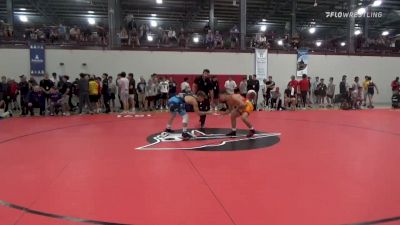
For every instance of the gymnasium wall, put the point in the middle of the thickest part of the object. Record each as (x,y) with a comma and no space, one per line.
(14,62)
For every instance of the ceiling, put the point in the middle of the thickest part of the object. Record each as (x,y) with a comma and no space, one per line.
(193,14)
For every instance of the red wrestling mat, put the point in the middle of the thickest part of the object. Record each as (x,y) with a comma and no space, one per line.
(308,167)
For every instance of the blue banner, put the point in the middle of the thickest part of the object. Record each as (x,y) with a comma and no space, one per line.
(38,65)
(302,61)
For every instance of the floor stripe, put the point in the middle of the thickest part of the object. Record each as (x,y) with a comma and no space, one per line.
(380,221)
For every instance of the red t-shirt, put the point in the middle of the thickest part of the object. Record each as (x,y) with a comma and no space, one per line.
(395,86)
(294,84)
(304,85)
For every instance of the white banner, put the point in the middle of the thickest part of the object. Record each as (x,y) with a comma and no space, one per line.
(261,64)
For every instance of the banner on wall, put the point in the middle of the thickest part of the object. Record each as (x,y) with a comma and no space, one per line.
(261,63)
(302,61)
(37,59)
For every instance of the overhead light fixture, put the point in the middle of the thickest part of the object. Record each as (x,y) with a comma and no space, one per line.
(150,38)
(357,32)
(264,20)
(90,12)
(91,21)
(153,15)
(23,18)
(196,39)
(153,23)
(312,30)
(361,11)
(22,9)
(280,42)
(263,28)
(318,43)
(343,44)
(385,33)
(377,3)
(159,1)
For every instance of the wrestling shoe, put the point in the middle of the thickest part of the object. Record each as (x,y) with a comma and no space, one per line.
(231,134)
(168,130)
(186,136)
(251,133)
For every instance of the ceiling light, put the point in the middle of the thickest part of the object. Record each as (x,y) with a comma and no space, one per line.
(196,39)
(23,18)
(263,28)
(90,12)
(153,23)
(264,20)
(159,1)
(357,32)
(312,30)
(385,33)
(91,21)
(153,15)
(361,11)
(149,38)
(22,9)
(343,44)
(377,3)
(318,43)
(280,42)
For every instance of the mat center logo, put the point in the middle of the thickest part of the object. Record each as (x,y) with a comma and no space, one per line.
(210,139)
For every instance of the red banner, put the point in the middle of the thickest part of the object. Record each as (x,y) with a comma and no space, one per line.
(178,78)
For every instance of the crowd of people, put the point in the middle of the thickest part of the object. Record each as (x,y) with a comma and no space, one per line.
(58,95)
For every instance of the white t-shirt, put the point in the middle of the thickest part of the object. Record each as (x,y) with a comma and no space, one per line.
(123,85)
(185,87)
(164,87)
(230,86)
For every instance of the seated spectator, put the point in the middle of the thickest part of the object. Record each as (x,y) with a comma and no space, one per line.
(73,33)
(219,41)
(55,101)
(36,100)
(276,99)
(182,39)
(135,40)
(171,35)
(124,36)
(3,112)
(234,36)
(209,39)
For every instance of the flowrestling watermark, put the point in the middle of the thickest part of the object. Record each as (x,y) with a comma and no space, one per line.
(353,14)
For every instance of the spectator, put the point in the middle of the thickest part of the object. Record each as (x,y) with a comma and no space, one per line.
(55,99)
(356,91)
(209,39)
(182,39)
(46,84)
(269,86)
(83,86)
(215,100)
(230,85)
(371,91)
(330,93)
(4,92)
(124,36)
(24,89)
(3,113)
(395,86)
(234,36)
(185,86)
(135,38)
(93,94)
(276,101)
(243,87)
(141,90)
(304,86)
(314,91)
(112,90)
(36,99)
(321,93)
(152,91)
(13,93)
(164,89)
(123,86)
(66,91)
(219,41)
(365,90)
(172,87)
(254,84)
(290,97)
(132,92)
(105,91)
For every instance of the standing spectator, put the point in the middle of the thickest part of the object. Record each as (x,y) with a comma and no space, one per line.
(276,101)
(24,88)
(36,100)
(55,101)
(215,100)
(210,40)
(105,91)
(112,90)
(4,92)
(304,86)
(13,93)
(164,90)
(172,87)
(83,86)
(132,92)
(141,90)
(152,91)
(356,91)
(185,86)
(269,86)
(123,86)
(66,91)
(254,84)
(330,93)
(46,84)
(243,87)
(371,91)
(321,93)
(290,97)
(234,32)
(314,90)
(395,86)
(230,86)
(93,94)
(365,85)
